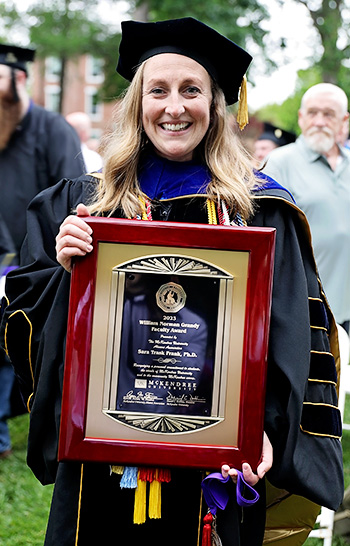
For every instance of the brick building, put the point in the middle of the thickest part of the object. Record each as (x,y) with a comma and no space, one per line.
(84,76)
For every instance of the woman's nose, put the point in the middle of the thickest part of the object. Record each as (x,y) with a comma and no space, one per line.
(175,106)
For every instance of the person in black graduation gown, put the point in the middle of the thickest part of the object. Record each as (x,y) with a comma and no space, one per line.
(173,157)
(271,137)
(37,149)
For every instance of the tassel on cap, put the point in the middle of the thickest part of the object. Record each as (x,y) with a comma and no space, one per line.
(242,115)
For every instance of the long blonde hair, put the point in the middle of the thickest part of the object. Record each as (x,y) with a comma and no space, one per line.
(229,164)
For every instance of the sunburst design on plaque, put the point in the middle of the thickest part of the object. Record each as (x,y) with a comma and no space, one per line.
(163,423)
(173,264)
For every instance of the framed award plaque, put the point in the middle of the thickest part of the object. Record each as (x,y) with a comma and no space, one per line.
(167,341)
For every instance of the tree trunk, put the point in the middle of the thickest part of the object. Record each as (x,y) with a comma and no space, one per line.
(62,82)
(327,20)
(141,12)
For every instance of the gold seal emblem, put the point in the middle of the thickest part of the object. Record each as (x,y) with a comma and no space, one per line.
(171,297)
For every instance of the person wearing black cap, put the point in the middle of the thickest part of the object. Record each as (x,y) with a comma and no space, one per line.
(173,157)
(272,137)
(37,148)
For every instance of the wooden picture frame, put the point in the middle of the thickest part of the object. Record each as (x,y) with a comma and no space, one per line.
(167,340)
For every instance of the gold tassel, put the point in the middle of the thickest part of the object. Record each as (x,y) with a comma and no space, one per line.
(140,501)
(155,498)
(117,469)
(242,115)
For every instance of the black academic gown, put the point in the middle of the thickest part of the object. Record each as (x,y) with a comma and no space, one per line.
(43,150)
(302,420)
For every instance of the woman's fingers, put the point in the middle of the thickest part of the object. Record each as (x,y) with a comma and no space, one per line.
(249,476)
(74,238)
(82,210)
(74,228)
(266,458)
(227,471)
(64,257)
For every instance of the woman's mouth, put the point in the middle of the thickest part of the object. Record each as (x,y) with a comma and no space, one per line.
(175,127)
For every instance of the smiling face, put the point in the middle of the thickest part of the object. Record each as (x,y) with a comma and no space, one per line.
(176,99)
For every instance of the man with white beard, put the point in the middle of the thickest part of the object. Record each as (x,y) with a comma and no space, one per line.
(316,170)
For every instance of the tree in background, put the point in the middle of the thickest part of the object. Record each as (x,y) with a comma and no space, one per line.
(68,28)
(285,115)
(240,20)
(330,61)
(331,19)
(64,29)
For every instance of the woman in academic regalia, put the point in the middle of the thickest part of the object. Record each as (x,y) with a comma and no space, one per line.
(173,157)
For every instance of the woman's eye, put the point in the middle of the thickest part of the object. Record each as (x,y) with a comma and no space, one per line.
(192,90)
(157,91)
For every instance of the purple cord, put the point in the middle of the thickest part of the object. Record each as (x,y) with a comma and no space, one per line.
(216,493)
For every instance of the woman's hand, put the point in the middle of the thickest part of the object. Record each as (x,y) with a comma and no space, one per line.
(249,476)
(74,238)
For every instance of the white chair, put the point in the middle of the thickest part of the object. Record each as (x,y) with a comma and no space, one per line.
(325,520)
(325,530)
(344,387)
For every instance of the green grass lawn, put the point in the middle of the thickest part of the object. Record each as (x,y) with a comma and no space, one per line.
(24,502)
